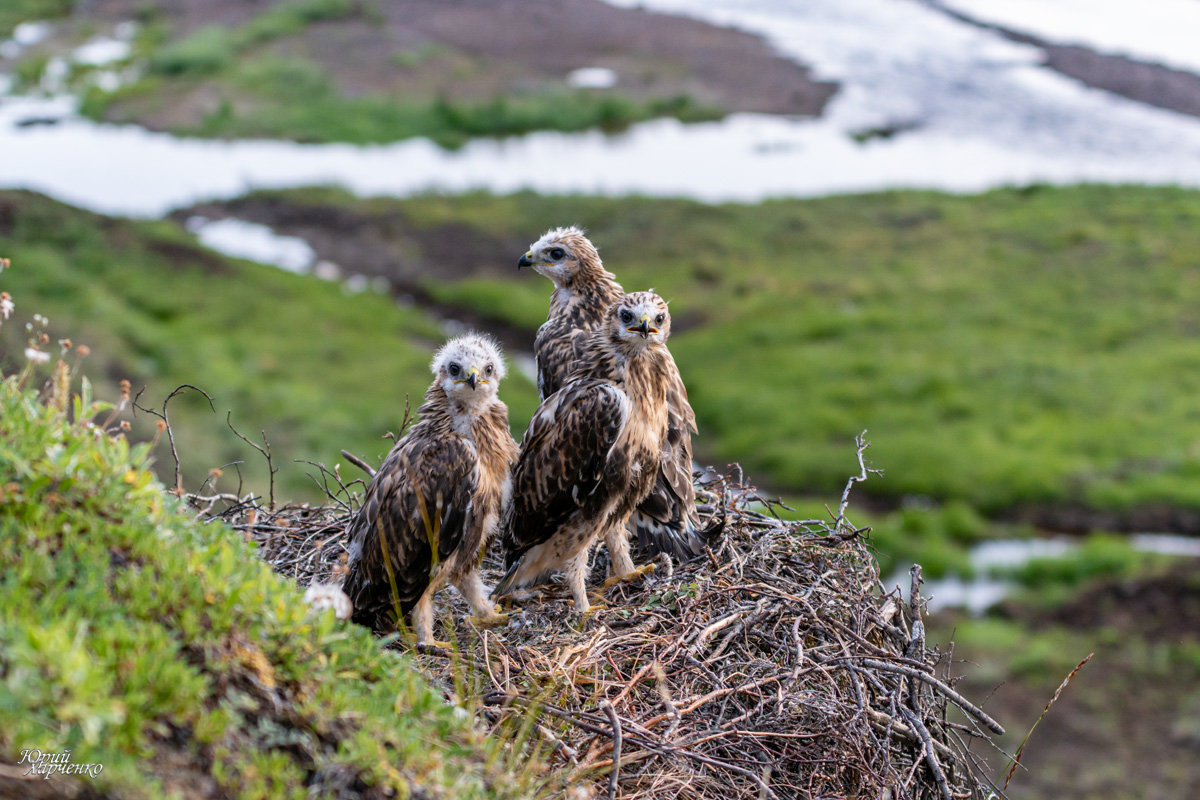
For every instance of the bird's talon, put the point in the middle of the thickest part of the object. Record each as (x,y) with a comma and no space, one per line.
(492,620)
(434,646)
(636,573)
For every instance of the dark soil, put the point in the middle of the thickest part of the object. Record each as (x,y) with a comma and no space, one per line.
(389,246)
(1164,607)
(487,48)
(1149,83)
(1128,724)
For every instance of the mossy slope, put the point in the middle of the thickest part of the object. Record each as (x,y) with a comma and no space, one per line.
(162,648)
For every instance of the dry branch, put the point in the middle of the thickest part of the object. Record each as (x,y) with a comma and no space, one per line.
(773,667)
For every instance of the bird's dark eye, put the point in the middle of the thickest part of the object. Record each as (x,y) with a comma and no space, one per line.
(454,370)
(557,253)
(659,319)
(626,317)
(489,370)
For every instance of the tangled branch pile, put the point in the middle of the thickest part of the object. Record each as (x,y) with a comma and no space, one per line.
(776,667)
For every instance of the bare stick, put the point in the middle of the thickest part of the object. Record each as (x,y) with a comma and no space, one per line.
(861,444)
(615,721)
(931,758)
(167,422)
(358,462)
(265,450)
(959,700)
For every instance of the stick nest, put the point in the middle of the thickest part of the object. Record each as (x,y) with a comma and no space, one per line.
(777,666)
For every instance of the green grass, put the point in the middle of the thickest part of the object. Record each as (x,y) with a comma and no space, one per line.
(14,12)
(164,650)
(1100,555)
(1017,348)
(263,92)
(293,356)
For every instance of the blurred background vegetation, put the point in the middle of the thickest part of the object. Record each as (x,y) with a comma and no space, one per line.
(1025,360)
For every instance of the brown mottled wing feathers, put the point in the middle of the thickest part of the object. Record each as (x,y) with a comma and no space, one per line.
(667,520)
(441,475)
(555,350)
(565,459)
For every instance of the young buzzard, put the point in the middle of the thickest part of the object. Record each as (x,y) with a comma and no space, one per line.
(592,451)
(434,504)
(666,521)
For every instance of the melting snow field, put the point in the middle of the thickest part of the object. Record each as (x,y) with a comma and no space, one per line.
(1158,31)
(974,112)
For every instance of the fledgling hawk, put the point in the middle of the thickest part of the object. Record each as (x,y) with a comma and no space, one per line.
(666,521)
(592,451)
(432,507)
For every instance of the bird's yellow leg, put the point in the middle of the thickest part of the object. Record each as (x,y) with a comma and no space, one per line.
(493,619)
(476,594)
(616,539)
(632,575)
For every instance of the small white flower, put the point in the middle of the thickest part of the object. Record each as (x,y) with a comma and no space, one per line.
(6,305)
(36,356)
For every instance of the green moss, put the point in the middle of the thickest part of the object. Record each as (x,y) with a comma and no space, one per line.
(161,648)
(204,52)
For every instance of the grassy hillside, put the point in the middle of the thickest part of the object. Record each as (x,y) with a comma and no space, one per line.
(317,369)
(1020,348)
(164,651)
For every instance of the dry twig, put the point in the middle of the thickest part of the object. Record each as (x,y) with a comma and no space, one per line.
(773,667)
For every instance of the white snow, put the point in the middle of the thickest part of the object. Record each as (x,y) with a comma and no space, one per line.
(249,240)
(974,112)
(592,78)
(101,51)
(1158,31)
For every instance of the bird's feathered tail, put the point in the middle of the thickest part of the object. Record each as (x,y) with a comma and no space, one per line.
(518,576)
(661,524)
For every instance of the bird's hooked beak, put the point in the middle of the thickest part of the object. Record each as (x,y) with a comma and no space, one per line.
(643,328)
(472,378)
(526,260)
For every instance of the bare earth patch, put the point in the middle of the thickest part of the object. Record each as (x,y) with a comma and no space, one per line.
(477,51)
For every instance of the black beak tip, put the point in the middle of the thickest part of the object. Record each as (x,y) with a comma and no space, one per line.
(471,381)
(524,262)
(644,329)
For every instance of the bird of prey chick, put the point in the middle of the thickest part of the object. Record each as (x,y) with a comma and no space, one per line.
(666,521)
(432,507)
(592,451)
